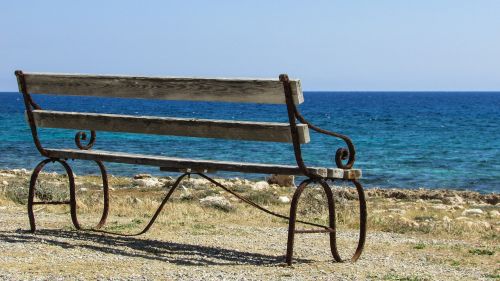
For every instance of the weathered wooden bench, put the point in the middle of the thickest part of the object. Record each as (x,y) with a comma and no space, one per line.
(271,91)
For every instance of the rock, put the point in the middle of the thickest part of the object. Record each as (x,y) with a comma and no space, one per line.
(83,189)
(282,180)
(142,176)
(5,183)
(494,214)
(186,195)
(408,222)
(20,172)
(147,182)
(284,199)
(218,202)
(439,207)
(472,212)
(454,200)
(485,224)
(446,219)
(462,219)
(136,200)
(397,211)
(260,185)
(318,197)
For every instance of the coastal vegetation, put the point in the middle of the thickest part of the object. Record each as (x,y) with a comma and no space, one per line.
(452,229)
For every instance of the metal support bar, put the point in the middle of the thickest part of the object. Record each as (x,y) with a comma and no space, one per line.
(52,203)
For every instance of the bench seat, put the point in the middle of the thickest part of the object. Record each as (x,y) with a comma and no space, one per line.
(197,165)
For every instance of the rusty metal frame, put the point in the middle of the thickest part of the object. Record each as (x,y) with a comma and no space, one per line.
(294,117)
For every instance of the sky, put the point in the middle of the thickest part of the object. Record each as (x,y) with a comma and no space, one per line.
(383,45)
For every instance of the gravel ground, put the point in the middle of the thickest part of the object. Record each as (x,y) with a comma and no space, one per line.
(56,252)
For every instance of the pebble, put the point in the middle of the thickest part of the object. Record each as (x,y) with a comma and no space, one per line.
(472,212)
(147,182)
(446,219)
(260,185)
(219,202)
(284,199)
(494,214)
(5,183)
(439,207)
(281,180)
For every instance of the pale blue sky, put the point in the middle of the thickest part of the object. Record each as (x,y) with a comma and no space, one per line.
(330,45)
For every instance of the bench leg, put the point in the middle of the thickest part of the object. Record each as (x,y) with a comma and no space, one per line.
(362,224)
(332,220)
(32,190)
(105,190)
(292,220)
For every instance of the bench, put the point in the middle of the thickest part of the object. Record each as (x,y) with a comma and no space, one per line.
(269,91)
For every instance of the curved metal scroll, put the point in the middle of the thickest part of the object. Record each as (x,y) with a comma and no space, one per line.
(79,136)
(341,153)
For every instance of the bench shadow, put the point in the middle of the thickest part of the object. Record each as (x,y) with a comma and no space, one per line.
(171,252)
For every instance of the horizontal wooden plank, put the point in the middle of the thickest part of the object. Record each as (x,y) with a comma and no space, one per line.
(337,173)
(180,163)
(244,90)
(225,129)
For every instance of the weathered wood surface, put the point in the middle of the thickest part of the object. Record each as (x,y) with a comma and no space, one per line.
(336,173)
(166,88)
(181,163)
(225,129)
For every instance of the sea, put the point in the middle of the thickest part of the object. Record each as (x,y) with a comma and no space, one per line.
(403,139)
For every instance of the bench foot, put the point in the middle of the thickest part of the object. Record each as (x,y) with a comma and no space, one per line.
(32,190)
(72,193)
(332,221)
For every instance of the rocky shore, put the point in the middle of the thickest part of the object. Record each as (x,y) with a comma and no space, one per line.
(415,234)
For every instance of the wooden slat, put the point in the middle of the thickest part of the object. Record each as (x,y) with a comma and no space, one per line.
(166,88)
(350,174)
(225,129)
(180,163)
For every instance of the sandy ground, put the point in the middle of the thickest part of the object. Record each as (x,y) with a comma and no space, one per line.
(228,252)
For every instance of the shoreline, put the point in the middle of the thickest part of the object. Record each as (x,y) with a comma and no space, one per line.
(416,234)
(419,193)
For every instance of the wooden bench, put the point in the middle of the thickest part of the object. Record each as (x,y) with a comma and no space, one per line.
(271,91)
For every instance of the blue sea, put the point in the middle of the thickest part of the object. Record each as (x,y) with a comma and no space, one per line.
(403,139)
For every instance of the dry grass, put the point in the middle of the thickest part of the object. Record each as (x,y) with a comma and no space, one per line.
(136,205)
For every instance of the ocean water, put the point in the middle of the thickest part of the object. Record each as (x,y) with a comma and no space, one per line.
(403,139)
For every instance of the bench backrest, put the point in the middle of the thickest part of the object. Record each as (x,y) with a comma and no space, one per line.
(166,88)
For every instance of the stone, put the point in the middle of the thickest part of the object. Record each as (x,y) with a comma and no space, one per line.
(453,200)
(136,200)
(147,182)
(397,211)
(282,180)
(83,189)
(472,212)
(20,172)
(218,202)
(485,224)
(409,222)
(142,176)
(494,214)
(284,199)
(186,195)
(5,183)
(446,219)
(439,207)
(260,185)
